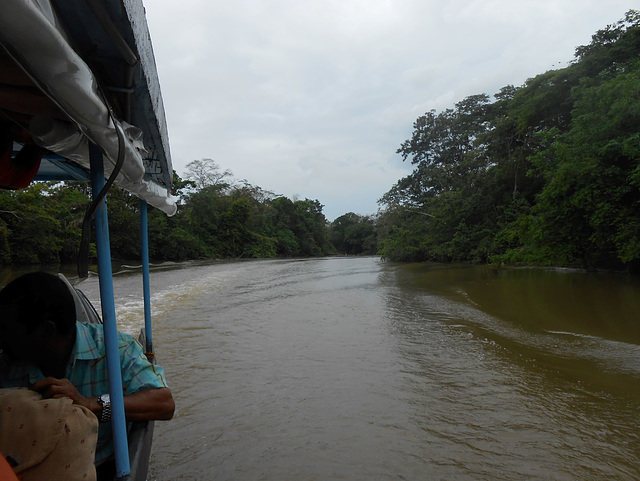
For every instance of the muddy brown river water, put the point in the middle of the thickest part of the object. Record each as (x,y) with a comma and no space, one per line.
(355,369)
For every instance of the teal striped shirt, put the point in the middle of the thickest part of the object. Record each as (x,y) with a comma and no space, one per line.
(87,371)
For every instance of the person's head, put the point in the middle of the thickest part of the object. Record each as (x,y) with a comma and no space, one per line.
(35,310)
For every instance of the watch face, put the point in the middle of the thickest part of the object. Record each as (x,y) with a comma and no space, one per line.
(105,398)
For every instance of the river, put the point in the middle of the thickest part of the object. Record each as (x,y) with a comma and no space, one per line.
(355,369)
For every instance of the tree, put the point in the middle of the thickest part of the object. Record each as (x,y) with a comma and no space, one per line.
(310,228)
(206,172)
(353,234)
(72,199)
(201,217)
(181,187)
(548,173)
(124,224)
(283,218)
(300,227)
(444,193)
(217,220)
(590,206)
(34,232)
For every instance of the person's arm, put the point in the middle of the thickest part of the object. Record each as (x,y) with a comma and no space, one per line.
(149,404)
(156,403)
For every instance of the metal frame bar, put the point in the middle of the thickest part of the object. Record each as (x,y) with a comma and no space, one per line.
(146,285)
(105,274)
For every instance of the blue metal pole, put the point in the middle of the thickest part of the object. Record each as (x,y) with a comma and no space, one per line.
(105,274)
(145,276)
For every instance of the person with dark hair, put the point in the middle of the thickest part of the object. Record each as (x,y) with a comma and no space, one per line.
(46,350)
(37,322)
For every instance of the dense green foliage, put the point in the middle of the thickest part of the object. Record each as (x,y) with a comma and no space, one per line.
(547,173)
(214,221)
(41,224)
(353,234)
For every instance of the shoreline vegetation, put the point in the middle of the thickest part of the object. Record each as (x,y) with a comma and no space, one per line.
(545,174)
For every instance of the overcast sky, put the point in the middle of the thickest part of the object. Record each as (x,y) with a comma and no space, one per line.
(312,98)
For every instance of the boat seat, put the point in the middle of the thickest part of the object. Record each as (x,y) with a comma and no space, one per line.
(85,312)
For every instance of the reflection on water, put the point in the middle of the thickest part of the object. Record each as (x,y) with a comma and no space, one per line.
(603,305)
(529,402)
(349,368)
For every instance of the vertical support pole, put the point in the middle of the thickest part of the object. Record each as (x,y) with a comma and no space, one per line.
(145,277)
(105,274)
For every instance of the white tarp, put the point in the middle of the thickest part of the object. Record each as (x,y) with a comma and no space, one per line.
(29,34)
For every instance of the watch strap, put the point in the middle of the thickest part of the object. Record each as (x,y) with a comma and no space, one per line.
(105,402)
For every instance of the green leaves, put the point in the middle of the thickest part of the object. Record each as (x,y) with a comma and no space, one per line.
(353,234)
(41,224)
(591,200)
(547,174)
(33,231)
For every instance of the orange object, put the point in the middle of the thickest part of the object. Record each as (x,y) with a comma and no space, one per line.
(6,472)
(18,172)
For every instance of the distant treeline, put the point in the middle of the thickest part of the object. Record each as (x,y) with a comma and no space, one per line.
(548,173)
(42,223)
(544,174)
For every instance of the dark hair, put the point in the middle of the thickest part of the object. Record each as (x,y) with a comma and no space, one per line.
(39,297)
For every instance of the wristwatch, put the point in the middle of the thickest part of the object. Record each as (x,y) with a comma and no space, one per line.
(105,402)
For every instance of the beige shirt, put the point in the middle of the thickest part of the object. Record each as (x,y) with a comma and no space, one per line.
(50,439)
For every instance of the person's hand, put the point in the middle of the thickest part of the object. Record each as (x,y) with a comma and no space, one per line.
(50,387)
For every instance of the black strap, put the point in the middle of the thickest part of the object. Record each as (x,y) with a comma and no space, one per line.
(83,254)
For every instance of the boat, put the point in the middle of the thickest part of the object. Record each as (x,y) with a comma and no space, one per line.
(80,100)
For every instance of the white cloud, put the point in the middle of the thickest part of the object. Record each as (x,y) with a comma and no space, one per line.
(313,98)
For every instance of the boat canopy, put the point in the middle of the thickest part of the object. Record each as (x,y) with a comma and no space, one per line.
(72,72)
(80,100)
